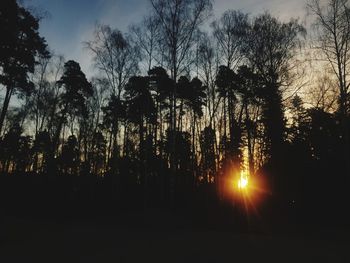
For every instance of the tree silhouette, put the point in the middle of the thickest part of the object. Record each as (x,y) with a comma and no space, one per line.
(97,154)
(113,113)
(141,108)
(42,147)
(10,148)
(114,56)
(69,159)
(230,32)
(176,112)
(178,22)
(332,41)
(19,45)
(147,38)
(227,89)
(76,90)
(248,86)
(161,84)
(191,94)
(270,48)
(208,162)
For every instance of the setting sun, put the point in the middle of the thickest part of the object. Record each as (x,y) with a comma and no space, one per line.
(245,190)
(243,182)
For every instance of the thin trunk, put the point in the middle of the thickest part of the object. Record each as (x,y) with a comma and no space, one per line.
(249,138)
(109,151)
(225,130)
(194,148)
(9,91)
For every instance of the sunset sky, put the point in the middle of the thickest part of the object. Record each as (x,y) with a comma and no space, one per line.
(71,22)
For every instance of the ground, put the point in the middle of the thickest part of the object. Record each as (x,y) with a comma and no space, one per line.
(33,240)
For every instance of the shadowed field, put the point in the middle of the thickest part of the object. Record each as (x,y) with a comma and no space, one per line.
(117,241)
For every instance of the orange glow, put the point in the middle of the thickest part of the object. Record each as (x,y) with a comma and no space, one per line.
(244,190)
(243,181)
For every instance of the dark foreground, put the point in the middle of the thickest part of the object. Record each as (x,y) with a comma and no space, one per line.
(165,238)
(83,219)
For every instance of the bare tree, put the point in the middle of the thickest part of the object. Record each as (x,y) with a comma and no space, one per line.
(323,94)
(179,20)
(114,56)
(230,32)
(333,41)
(146,36)
(208,64)
(43,101)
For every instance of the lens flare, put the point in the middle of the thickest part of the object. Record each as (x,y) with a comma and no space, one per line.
(243,181)
(246,191)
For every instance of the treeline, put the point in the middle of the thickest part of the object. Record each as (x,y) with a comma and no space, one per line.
(174,109)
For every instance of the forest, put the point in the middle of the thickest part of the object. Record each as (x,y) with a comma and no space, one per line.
(181,107)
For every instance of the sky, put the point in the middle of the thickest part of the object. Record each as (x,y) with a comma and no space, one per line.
(71,22)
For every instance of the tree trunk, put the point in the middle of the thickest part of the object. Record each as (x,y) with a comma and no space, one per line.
(194,149)
(249,138)
(5,106)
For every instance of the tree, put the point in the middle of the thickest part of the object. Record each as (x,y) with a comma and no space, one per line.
(183,150)
(270,47)
(226,81)
(324,94)
(141,108)
(20,43)
(15,153)
(117,57)
(333,41)
(208,162)
(230,32)
(42,102)
(147,37)
(113,113)
(76,90)
(114,56)
(41,149)
(97,154)
(208,61)
(193,96)
(248,87)
(183,90)
(161,86)
(179,20)
(69,158)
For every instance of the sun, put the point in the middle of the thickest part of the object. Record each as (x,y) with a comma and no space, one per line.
(247,191)
(243,182)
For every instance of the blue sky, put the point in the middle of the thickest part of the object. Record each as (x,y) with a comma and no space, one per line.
(70,22)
